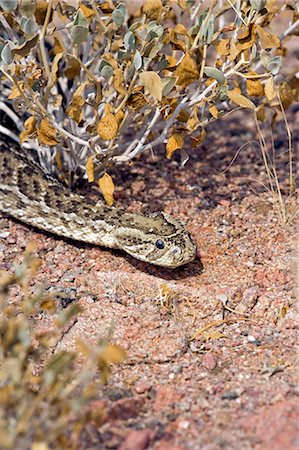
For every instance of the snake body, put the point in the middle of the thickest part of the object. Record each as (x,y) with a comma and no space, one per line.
(28,194)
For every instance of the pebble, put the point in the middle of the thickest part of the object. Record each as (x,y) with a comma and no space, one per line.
(4,234)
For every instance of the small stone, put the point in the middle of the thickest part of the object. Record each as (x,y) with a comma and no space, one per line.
(142,386)
(250,296)
(209,361)
(4,234)
(230,395)
(137,440)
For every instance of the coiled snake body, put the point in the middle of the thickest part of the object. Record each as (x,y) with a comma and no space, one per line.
(38,199)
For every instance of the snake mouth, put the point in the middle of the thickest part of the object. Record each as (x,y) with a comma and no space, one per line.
(169,259)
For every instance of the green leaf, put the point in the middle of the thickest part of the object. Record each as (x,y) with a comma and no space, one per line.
(257,5)
(137,61)
(168,83)
(6,54)
(129,41)
(8,5)
(27,8)
(80,19)
(118,18)
(79,34)
(212,72)
(107,72)
(28,26)
(274,65)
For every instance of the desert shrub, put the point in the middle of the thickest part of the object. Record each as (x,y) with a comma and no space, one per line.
(92,84)
(44,391)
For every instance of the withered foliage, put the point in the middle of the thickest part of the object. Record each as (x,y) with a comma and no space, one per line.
(45,391)
(108,80)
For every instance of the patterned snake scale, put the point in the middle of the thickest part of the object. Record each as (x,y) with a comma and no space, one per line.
(28,194)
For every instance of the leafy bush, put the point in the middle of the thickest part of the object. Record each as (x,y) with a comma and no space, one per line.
(44,392)
(102,81)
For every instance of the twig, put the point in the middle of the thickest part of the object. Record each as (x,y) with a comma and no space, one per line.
(42,42)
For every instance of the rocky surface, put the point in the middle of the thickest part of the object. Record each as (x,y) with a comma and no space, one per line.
(211,346)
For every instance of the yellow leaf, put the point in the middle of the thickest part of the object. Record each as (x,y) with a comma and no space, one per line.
(267,40)
(90,169)
(106,186)
(30,128)
(46,133)
(74,110)
(240,100)
(119,116)
(152,82)
(254,86)
(118,81)
(222,47)
(214,335)
(112,354)
(260,113)
(180,29)
(73,68)
(195,141)
(54,66)
(39,446)
(88,12)
(15,92)
(214,111)
(287,94)
(175,142)
(186,71)
(270,89)
(153,9)
(83,347)
(108,127)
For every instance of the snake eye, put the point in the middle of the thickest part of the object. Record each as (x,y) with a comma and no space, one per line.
(159,244)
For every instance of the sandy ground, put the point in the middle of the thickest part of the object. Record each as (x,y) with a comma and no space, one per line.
(198,376)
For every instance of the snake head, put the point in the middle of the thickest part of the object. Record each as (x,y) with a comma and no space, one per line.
(157,239)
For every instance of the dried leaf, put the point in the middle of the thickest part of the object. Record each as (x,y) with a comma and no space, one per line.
(15,92)
(180,29)
(175,142)
(118,81)
(153,83)
(287,94)
(26,47)
(267,39)
(46,133)
(73,68)
(270,89)
(222,47)
(240,100)
(196,140)
(90,169)
(215,335)
(88,12)
(186,71)
(30,128)
(55,62)
(254,86)
(106,186)
(112,354)
(260,113)
(74,110)
(214,111)
(108,127)
(41,12)
(153,9)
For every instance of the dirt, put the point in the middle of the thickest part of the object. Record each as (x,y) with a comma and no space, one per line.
(211,346)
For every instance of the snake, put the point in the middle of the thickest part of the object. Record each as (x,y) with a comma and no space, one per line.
(38,199)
